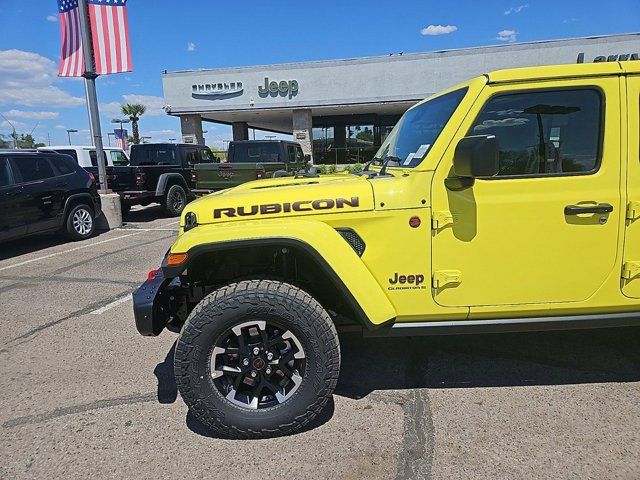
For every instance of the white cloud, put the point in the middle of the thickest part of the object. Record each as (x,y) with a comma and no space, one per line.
(111,108)
(16,124)
(52,18)
(517,9)
(61,126)
(154,104)
(438,29)
(507,35)
(26,79)
(155,133)
(32,115)
(191,47)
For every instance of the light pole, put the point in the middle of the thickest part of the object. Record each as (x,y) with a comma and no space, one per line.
(69,132)
(172,140)
(120,121)
(144,139)
(14,135)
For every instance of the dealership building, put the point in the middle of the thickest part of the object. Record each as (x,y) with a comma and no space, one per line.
(340,111)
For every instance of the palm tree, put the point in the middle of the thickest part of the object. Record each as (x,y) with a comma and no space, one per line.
(134,111)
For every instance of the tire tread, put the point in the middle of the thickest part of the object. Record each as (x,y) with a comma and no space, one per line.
(256,292)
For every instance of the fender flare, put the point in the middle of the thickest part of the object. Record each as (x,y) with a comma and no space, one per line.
(361,290)
(76,196)
(163,180)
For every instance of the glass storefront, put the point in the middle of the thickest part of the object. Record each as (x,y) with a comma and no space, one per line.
(349,139)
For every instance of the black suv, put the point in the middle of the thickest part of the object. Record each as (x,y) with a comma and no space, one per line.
(45,192)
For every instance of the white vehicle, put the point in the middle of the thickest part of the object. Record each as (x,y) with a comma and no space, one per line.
(86,155)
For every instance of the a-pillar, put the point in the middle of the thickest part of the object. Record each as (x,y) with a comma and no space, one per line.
(191,126)
(303,130)
(240,130)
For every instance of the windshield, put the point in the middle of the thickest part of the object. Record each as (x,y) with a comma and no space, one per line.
(418,129)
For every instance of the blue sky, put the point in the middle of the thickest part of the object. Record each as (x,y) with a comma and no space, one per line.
(191,34)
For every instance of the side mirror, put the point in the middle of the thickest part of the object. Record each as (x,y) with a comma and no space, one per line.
(476,157)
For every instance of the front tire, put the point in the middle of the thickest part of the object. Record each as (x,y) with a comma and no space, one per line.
(174,201)
(80,223)
(257,358)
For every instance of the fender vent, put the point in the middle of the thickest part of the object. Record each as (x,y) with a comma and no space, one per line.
(353,239)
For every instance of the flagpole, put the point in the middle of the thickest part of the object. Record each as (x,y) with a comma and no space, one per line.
(90,86)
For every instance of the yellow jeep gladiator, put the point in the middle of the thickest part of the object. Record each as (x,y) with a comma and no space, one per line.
(507,203)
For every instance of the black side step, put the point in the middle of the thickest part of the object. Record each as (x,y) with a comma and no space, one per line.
(505,325)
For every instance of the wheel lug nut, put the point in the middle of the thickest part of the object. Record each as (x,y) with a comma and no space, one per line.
(254,374)
(245,362)
(268,371)
(256,350)
(269,356)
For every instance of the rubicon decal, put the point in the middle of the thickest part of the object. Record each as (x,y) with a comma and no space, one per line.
(287,207)
(406,282)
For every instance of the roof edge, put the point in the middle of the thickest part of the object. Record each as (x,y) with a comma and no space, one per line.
(399,57)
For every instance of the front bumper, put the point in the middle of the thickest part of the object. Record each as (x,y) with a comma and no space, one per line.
(151,305)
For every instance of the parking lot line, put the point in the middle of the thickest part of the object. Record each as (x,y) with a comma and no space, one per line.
(44,257)
(109,306)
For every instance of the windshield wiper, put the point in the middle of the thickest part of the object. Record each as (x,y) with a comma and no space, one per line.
(387,161)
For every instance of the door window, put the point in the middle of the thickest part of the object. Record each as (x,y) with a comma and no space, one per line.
(291,153)
(118,158)
(94,157)
(544,132)
(32,169)
(63,165)
(206,156)
(192,156)
(5,173)
(255,152)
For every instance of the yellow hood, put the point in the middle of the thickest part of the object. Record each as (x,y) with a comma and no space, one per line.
(284,197)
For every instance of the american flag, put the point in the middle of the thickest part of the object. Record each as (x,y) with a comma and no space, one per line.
(121,138)
(109,35)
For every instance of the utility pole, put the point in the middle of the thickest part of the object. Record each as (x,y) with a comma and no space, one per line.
(14,135)
(90,86)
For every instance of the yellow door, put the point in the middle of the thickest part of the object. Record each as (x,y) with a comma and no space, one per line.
(526,236)
(631,259)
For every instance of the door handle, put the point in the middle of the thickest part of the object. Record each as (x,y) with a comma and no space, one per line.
(578,209)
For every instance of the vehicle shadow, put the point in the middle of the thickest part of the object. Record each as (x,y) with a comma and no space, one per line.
(490,360)
(35,243)
(464,361)
(139,214)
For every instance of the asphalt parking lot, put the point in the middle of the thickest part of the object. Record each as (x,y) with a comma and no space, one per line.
(83,395)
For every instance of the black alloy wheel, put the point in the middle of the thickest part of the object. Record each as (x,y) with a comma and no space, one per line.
(174,201)
(257,364)
(257,358)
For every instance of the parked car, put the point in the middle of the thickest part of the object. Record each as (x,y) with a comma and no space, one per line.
(45,192)
(87,156)
(158,173)
(509,202)
(251,160)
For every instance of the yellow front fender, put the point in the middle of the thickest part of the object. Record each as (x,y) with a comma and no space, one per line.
(317,239)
